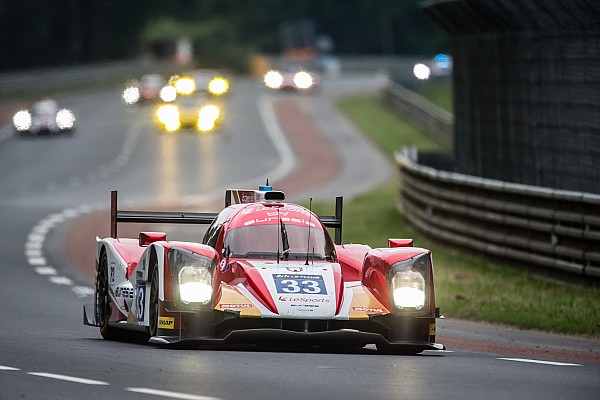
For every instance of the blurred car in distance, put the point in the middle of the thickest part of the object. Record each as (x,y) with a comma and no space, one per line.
(195,111)
(146,89)
(291,78)
(44,116)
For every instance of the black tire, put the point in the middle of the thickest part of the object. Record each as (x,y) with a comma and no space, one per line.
(103,301)
(153,306)
(399,350)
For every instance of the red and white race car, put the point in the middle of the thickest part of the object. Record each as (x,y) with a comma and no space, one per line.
(266,273)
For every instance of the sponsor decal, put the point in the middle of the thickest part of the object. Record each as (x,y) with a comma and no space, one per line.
(112,272)
(368,309)
(301,284)
(166,322)
(124,292)
(294,269)
(235,305)
(307,300)
(432,329)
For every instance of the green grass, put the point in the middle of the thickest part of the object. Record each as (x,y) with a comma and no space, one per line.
(467,286)
(438,91)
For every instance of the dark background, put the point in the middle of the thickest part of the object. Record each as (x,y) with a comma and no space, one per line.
(36,33)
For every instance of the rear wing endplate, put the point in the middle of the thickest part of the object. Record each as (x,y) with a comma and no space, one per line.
(176,217)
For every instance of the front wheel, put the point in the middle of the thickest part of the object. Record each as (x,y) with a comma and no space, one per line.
(103,300)
(153,306)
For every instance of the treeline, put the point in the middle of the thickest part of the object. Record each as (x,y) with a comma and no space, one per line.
(36,33)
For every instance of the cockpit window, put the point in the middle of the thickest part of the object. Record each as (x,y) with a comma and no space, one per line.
(266,241)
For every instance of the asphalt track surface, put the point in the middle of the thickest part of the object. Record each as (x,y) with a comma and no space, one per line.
(54,191)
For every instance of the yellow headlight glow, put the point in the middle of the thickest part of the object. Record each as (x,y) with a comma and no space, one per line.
(185,86)
(207,118)
(168,115)
(218,86)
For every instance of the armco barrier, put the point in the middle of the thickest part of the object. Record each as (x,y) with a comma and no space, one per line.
(47,80)
(550,228)
(420,112)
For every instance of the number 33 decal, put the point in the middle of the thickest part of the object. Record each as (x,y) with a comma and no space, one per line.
(305,286)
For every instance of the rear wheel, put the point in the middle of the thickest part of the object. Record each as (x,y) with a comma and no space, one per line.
(103,301)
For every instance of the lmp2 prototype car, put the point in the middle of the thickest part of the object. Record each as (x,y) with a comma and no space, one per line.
(266,273)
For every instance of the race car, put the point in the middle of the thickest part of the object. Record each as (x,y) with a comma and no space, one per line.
(146,90)
(194,111)
(44,116)
(266,273)
(291,78)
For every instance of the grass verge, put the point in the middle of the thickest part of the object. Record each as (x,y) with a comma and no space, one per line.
(467,286)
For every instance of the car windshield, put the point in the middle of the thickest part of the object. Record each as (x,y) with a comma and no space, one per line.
(266,241)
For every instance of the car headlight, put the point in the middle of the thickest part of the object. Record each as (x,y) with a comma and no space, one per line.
(185,86)
(193,275)
(22,120)
(303,80)
(408,283)
(207,117)
(65,119)
(218,86)
(273,79)
(168,115)
(168,94)
(131,95)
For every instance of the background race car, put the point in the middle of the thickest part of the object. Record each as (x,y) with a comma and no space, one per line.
(44,116)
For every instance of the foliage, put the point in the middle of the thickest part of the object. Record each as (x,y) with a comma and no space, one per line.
(43,33)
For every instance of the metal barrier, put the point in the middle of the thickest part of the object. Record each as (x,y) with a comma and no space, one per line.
(555,229)
(47,80)
(550,228)
(420,112)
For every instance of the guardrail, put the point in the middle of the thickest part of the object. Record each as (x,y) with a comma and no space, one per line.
(420,112)
(536,225)
(47,80)
(550,228)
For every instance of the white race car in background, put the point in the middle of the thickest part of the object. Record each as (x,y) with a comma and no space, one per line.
(147,89)
(44,116)
(291,78)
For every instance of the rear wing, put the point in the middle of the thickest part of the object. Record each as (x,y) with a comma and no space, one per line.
(232,196)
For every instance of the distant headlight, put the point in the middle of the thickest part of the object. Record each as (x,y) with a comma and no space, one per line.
(168,115)
(273,79)
(218,86)
(131,95)
(168,94)
(185,86)
(193,274)
(408,284)
(303,80)
(65,119)
(421,71)
(22,120)
(207,118)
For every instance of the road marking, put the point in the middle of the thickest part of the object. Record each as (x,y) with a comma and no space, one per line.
(5,368)
(173,395)
(68,378)
(526,360)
